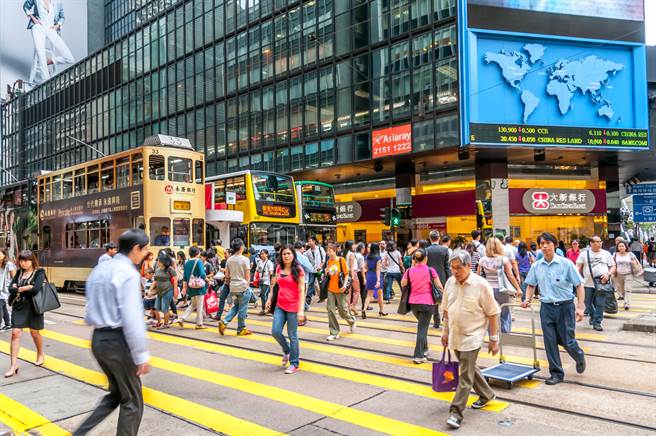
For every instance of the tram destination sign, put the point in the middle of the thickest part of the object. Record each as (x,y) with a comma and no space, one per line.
(545,136)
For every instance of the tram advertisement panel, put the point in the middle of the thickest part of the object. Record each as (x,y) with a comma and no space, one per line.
(543,91)
(74,230)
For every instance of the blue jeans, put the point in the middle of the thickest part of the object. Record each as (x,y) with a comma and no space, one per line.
(280,317)
(523,285)
(558,327)
(597,304)
(506,316)
(240,309)
(312,277)
(223,296)
(264,294)
(389,281)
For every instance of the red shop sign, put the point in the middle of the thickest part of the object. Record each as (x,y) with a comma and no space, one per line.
(391,141)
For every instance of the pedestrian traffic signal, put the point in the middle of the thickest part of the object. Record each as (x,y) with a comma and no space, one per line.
(385,215)
(395,217)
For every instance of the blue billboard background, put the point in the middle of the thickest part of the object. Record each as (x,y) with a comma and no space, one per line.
(532,80)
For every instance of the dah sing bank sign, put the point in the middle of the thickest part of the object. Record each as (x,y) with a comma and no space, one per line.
(550,201)
(391,141)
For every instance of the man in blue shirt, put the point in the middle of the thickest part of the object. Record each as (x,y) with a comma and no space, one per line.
(556,276)
(164,238)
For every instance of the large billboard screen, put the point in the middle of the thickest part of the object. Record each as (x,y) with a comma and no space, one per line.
(40,39)
(614,9)
(537,90)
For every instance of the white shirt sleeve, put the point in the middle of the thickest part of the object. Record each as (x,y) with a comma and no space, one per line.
(130,308)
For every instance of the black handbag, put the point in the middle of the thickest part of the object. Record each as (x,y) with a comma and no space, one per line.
(600,287)
(47,298)
(274,298)
(611,304)
(437,293)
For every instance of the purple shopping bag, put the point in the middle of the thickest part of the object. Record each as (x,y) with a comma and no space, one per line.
(445,374)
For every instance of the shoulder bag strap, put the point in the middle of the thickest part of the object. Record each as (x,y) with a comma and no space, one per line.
(389,254)
(590,269)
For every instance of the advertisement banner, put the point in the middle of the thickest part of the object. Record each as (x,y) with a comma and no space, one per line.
(391,141)
(40,39)
(557,201)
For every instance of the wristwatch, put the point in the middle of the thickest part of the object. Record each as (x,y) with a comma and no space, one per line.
(494,338)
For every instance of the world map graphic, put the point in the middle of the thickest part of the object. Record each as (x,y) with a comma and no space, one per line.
(588,75)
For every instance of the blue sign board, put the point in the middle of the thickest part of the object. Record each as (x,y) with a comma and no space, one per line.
(542,91)
(647,188)
(644,208)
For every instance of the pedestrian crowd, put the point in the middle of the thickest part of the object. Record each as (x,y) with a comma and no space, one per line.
(463,287)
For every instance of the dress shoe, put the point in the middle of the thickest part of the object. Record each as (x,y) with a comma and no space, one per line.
(580,365)
(553,381)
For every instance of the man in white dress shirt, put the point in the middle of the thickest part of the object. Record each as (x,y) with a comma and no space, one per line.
(115,311)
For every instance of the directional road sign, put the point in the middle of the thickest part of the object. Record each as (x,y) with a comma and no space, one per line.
(644,208)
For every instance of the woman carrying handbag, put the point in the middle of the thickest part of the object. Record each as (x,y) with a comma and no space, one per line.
(420,281)
(628,270)
(27,282)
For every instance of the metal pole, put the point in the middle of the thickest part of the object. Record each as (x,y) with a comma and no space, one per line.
(10,174)
(88,145)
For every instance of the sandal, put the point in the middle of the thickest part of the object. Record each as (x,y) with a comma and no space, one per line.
(382,314)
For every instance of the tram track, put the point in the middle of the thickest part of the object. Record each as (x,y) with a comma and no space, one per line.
(526,403)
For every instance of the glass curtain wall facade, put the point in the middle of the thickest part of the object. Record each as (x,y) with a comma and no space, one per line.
(281,85)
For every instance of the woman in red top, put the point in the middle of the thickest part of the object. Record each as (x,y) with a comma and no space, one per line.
(289,306)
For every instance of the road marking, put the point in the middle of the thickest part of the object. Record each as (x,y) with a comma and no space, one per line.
(515,329)
(22,419)
(332,410)
(204,416)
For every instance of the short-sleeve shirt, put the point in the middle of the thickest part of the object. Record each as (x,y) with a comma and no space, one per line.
(238,268)
(421,291)
(5,280)
(265,268)
(162,279)
(555,279)
(624,262)
(509,251)
(468,304)
(334,267)
(601,262)
(288,291)
(490,266)
(394,260)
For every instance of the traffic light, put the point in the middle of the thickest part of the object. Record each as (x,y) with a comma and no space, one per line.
(385,215)
(395,217)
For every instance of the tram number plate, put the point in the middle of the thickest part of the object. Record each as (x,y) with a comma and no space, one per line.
(182,205)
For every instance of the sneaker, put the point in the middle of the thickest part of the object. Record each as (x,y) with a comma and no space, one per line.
(332,338)
(553,380)
(598,327)
(454,421)
(291,370)
(201,327)
(285,359)
(222,328)
(151,322)
(180,323)
(480,403)
(420,360)
(626,307)
(353,326)
(244,332)
(7,327)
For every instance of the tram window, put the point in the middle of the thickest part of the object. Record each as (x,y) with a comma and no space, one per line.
(137,170)
(42,191)
(80,236)
(107,175)
(92,180)
(46,190)
(70,235)
(79,183)
(198,230)
(67,185)
(56,188)
(160,231)
(181,232)
(94,234)
(179,169)
(199,172)
(156,167)
(123,172)
(46,235)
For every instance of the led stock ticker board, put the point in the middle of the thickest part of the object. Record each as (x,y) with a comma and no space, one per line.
(557,136)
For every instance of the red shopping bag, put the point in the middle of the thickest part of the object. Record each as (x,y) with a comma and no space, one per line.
(211,303)
(445,374)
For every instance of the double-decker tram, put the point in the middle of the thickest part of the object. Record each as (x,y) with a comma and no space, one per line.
(266,204)
(158,187)
(317,210)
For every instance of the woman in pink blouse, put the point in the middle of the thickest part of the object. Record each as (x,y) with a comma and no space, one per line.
(421,299)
